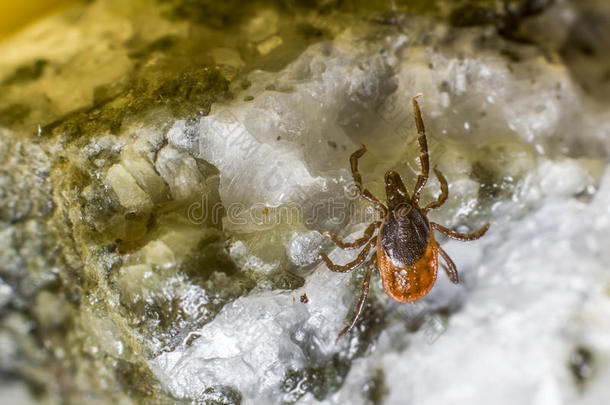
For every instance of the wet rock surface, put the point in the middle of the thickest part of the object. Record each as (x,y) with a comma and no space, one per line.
(167,169)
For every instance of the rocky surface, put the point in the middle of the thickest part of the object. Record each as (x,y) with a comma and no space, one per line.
(167,170)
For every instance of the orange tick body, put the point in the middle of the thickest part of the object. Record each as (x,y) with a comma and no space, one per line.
(407,262)
(405,250)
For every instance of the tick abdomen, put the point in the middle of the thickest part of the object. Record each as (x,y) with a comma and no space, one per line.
(407,255)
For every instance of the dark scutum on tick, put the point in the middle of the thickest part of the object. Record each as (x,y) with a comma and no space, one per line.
(404,248)
(404,236)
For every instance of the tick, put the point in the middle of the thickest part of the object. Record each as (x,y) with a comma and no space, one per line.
(404,247)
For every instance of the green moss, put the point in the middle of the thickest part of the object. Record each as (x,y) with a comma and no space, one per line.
(221,395)
(507,16)
(191,92)
(319,381)
(14,114)
(214,14)
(376,388)
(581,364)
(26,73)
(186,92)
(499,166)
(136,379)
(142,49)
(471,14)
(210,256)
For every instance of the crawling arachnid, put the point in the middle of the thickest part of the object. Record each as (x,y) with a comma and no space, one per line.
(405,250)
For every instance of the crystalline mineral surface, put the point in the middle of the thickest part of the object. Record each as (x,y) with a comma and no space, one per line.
(167,173)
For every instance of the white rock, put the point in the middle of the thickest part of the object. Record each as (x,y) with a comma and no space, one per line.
(251,343)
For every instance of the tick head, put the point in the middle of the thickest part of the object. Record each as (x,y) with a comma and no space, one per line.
(395,190)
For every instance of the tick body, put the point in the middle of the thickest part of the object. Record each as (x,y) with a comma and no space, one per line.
(407,256)
(404,248)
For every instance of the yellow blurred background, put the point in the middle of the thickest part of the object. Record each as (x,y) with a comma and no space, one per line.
(15,15)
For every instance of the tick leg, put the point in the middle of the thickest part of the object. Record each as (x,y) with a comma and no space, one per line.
(366,194)
(444,192)
(423,150)
(351,265)
(451,270)
(368,234)
(461,236)
(363,295)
